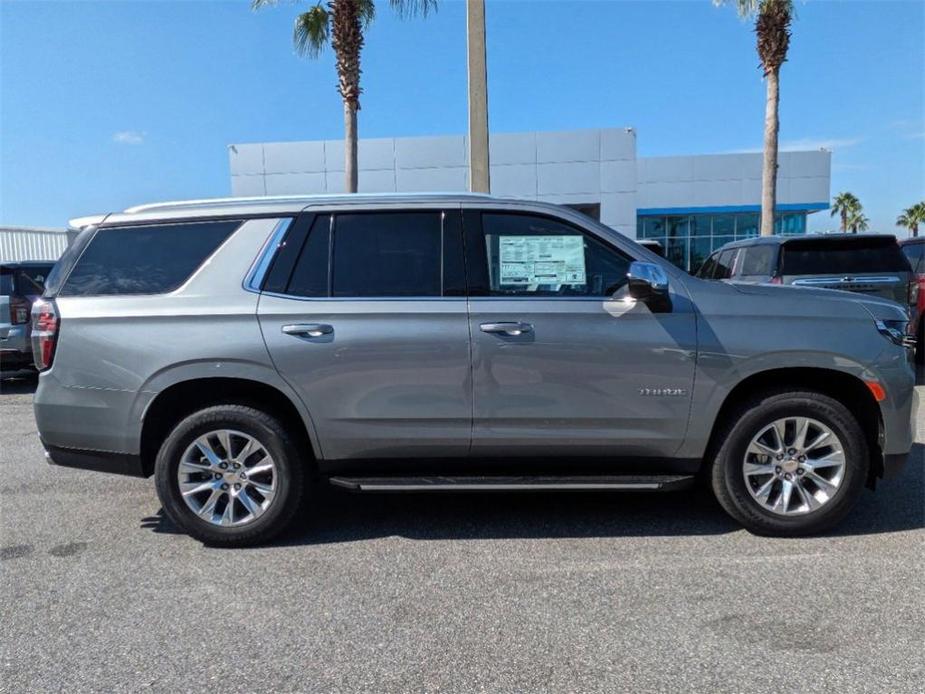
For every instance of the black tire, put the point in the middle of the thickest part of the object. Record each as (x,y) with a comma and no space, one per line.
(272,435)
(728,480)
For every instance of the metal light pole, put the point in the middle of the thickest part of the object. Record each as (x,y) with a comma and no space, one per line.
(478,97)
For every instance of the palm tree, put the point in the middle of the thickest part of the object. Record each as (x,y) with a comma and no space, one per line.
(342,23)
(772,27)
(846,205)
(858,221)
(911,217)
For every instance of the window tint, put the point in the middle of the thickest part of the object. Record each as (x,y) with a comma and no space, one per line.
(757,260)
(67,260)
(708,268)
(6,282)
(150,259)
(915,254)
(387,254)
(538,256)
(724,265)
(310,275)
(842,256)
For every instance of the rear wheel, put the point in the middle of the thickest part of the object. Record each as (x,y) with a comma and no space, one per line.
(792,464)
(229,475)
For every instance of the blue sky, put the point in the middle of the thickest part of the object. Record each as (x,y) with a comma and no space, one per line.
(108,104)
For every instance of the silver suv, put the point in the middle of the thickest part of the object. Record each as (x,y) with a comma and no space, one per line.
(242,351)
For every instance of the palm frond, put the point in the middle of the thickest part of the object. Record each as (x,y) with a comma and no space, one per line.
(746,8)
(260,4)
(311,31)
(413,8)
(367,12)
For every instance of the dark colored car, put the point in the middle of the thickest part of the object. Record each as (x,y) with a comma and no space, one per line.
(20,285)
(914,250)
(871,264)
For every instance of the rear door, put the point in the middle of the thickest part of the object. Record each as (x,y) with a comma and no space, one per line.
(872,265)
(364,314)
(563,364)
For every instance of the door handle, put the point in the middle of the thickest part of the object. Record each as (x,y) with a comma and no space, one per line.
(513,329)
(308,329)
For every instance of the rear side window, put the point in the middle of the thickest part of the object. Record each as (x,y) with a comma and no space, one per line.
(386,254)
(150,259)
(6,282)
(757,260)
(842,256)
(371,254)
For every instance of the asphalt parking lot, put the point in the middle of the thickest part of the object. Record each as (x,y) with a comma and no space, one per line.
(496,593)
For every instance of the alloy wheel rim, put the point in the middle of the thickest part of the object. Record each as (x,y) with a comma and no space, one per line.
(227,478)
(794,466)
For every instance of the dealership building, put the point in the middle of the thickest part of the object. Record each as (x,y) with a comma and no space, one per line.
(690,204)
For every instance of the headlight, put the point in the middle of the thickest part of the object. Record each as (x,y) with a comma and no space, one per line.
(895,332)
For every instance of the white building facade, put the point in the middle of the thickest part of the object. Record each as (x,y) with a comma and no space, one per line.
(690,204)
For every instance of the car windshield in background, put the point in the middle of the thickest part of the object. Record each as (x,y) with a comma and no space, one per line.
(827,256)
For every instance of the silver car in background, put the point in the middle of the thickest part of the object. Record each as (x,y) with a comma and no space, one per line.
(242,350)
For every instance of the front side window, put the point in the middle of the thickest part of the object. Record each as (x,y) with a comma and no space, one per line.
(530,255)
(150,259)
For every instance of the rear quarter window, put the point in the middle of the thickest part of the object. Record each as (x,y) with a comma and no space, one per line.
(843,257)
(915,254)
(757,260)
(149,259)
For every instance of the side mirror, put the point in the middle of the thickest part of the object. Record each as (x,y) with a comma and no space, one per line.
(648,283)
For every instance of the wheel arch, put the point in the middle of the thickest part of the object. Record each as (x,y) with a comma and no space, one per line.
(182,398)
(846,388)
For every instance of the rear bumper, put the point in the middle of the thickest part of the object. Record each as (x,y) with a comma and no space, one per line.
(98,461)
(15,348)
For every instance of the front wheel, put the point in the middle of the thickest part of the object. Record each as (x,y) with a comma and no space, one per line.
(793,464)
(229,475)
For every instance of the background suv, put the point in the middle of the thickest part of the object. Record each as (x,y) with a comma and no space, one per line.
(235,349)
(914,250)
(871,264)
(20,285)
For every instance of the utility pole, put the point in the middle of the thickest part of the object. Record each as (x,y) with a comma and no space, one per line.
(478,97)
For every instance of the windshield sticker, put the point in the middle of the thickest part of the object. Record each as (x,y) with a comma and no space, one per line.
(532,260)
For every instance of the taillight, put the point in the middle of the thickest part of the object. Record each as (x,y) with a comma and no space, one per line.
(912,297)
(44,332)
(917,294)
(777,280)
(19,310)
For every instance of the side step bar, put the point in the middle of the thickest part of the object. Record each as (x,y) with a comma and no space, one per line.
(642,483)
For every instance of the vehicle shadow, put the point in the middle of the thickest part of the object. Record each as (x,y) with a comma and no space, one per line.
(337,516)
(18,385)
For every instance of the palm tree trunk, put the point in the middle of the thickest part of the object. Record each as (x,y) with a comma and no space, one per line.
(769,171)
(844,221)
(350,147)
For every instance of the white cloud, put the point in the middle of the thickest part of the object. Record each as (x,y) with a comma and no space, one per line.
(129,137)
(806,144)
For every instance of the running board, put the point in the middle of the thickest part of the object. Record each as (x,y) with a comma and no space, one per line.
(635,483)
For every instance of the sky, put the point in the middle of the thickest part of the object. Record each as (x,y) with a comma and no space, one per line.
(104,105)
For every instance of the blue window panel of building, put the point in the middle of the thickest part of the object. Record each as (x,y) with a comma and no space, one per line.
(688,239)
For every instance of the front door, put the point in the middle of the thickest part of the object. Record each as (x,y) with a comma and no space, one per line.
(364,314)
(564,363)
